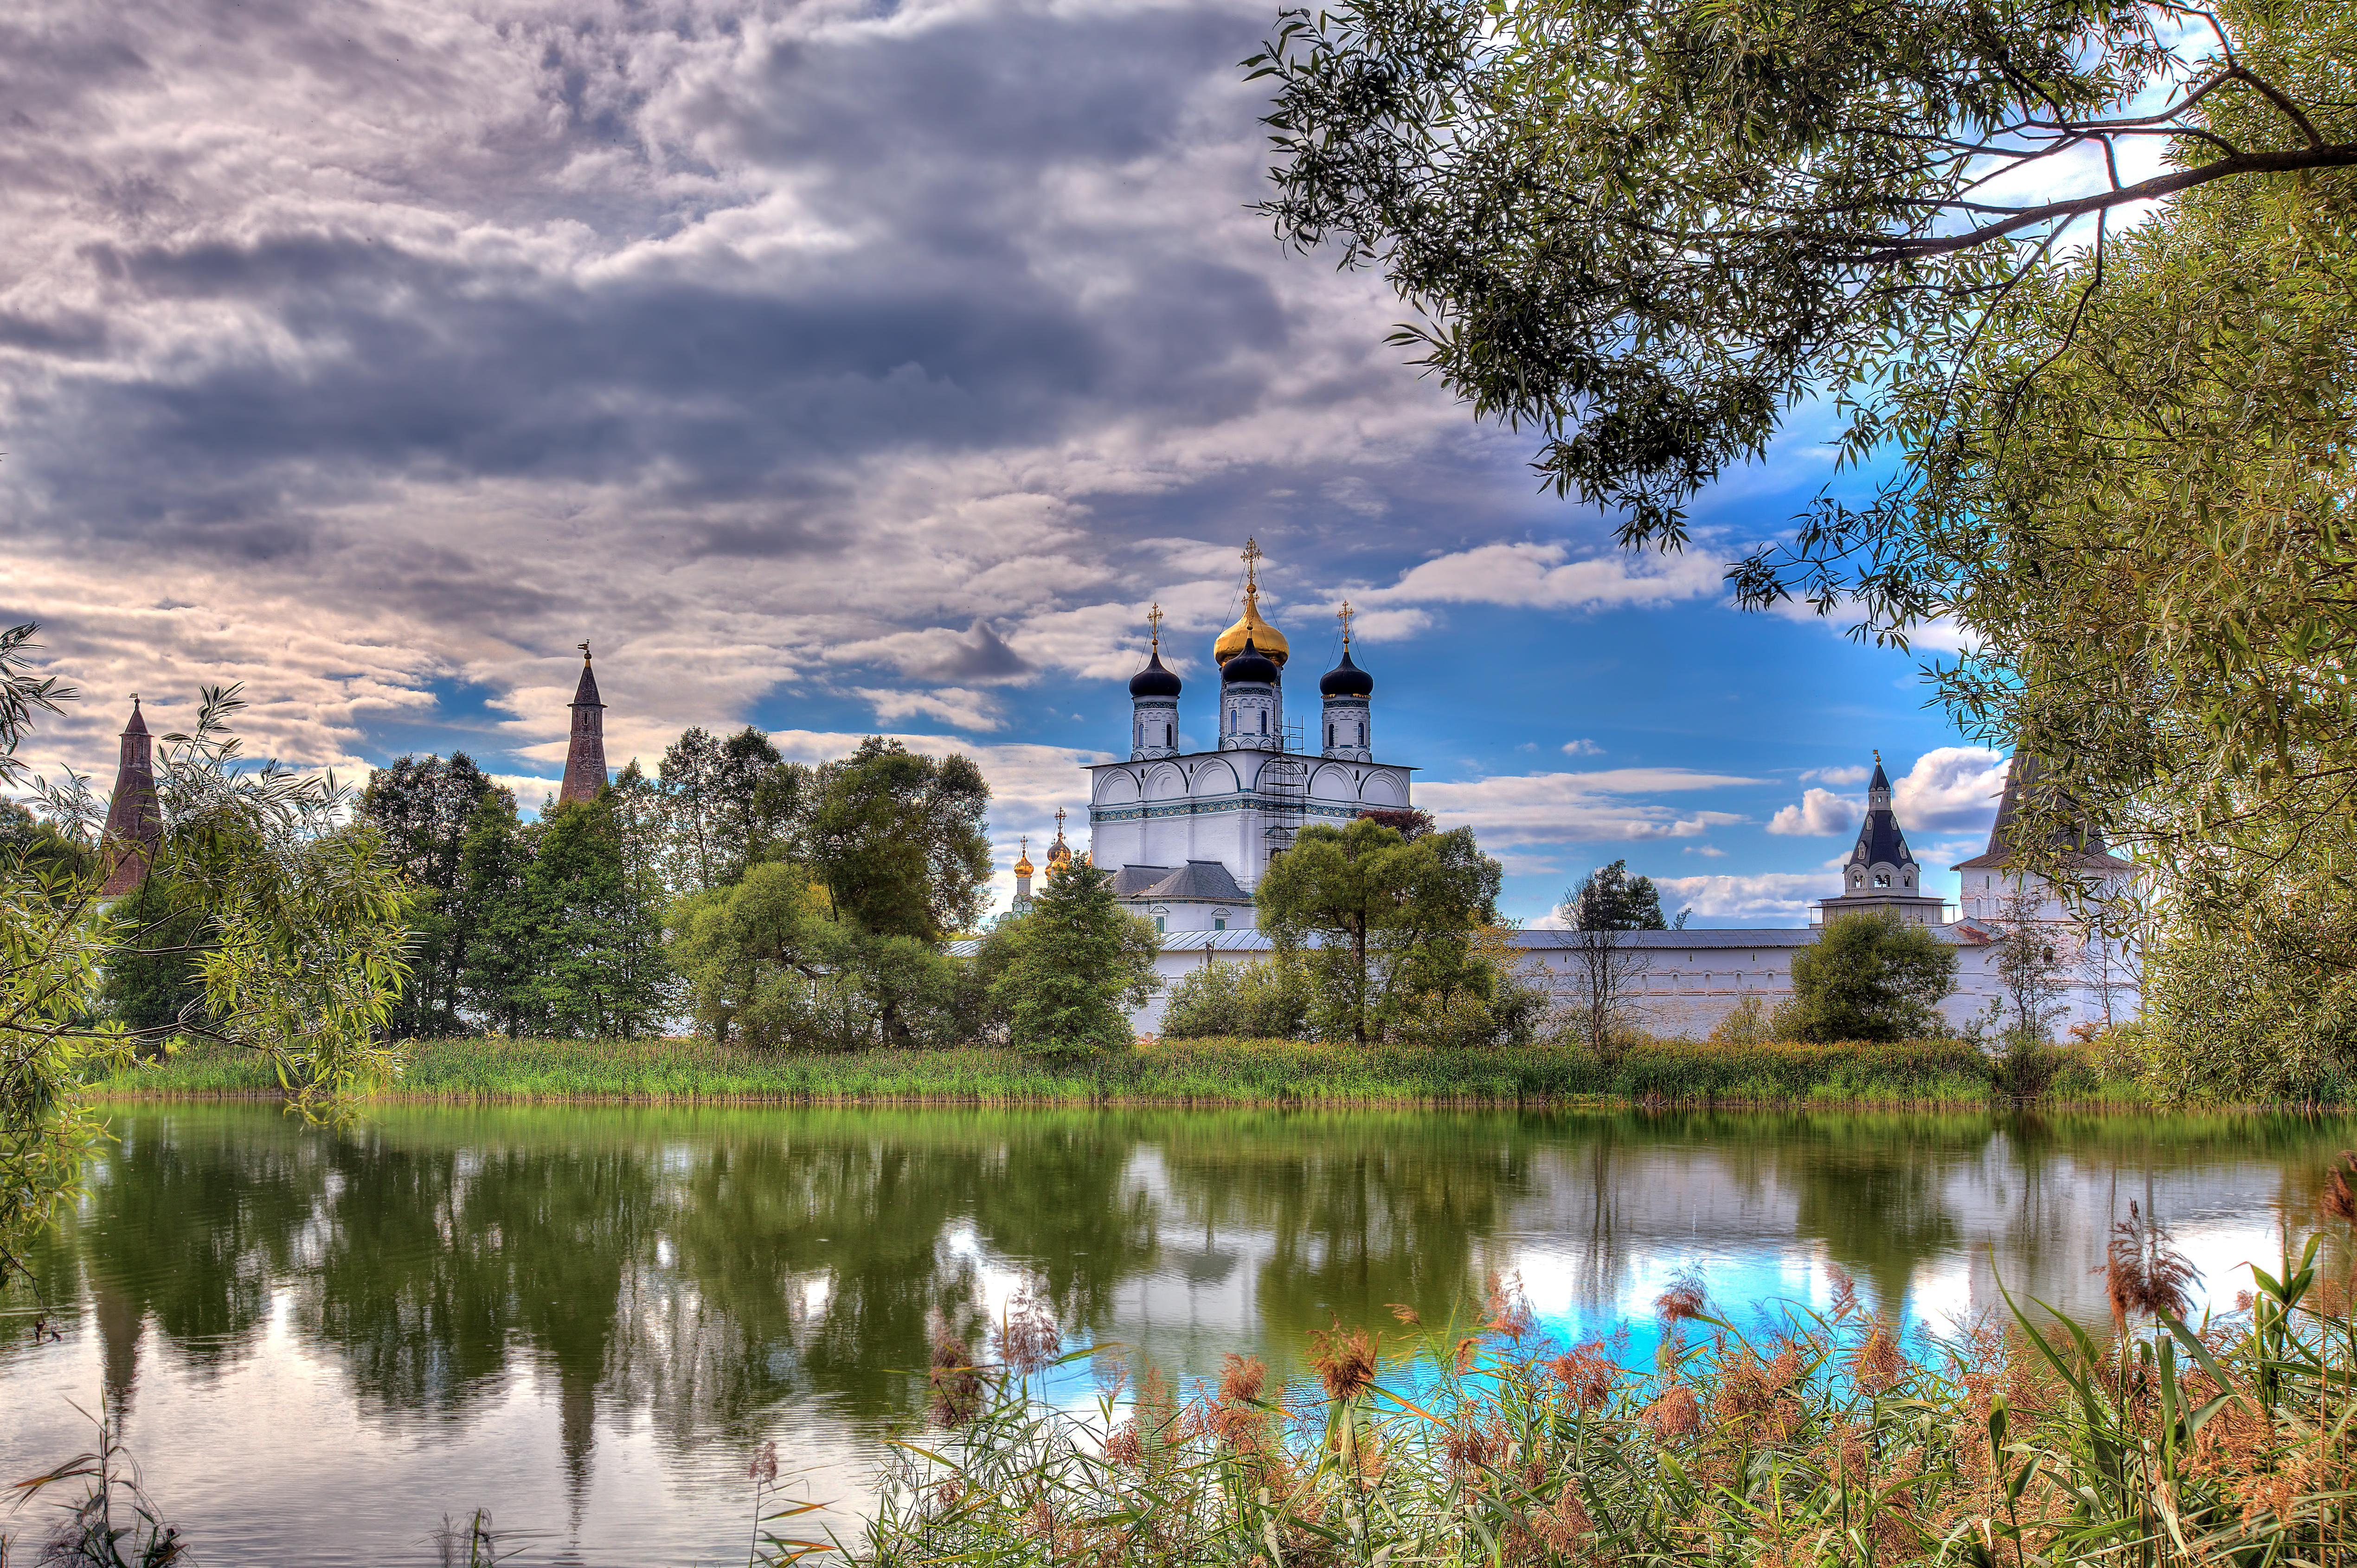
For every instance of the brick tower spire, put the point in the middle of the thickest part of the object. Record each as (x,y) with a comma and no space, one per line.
(585,758)
(134,818)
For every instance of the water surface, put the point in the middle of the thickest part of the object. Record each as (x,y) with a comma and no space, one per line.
(589,1319)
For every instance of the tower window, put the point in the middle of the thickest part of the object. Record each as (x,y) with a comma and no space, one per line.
(1165,735)
(1264,721)
(1330,734)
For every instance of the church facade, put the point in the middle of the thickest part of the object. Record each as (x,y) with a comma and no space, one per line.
(1188,834)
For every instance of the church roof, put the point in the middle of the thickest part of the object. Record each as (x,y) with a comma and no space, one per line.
(1346,678)
(1200,881)
(1132,880)
(2082,846)
(1156,680)
(1251,664)
(1879,839)
(585,695)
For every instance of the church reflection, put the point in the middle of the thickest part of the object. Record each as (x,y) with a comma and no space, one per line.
(705,1274)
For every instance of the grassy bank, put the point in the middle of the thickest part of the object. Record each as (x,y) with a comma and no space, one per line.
(1189,1072)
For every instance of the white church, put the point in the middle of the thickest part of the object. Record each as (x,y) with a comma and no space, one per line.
(1187,836)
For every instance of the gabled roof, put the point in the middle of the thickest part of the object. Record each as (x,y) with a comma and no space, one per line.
(1132,880)
(1202,881)
(2082,847)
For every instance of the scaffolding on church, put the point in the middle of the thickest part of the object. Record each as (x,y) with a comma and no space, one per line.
(1285,792)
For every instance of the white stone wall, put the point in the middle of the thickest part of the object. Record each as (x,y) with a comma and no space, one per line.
(1685,989)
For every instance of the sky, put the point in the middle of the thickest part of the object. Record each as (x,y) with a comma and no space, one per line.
(837,368)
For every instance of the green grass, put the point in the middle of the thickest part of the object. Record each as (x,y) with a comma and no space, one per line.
(1189,1072)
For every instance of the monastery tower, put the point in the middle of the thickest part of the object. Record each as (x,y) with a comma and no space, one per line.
(135,818)
(585,757)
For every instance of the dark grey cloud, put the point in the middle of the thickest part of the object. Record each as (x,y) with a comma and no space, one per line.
(411,337)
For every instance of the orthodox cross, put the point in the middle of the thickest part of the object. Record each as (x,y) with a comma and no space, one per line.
(1060,824)
(1024,853)
(1253,558)
(1154,619)
(1345,615)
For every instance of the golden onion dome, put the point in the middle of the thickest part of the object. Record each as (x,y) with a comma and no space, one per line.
(1023,867)
(1264,637)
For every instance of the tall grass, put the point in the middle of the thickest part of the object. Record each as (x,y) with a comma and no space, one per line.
(1189,1072)
(1820,1441)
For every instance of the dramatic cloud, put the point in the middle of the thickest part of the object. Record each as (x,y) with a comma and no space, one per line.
(1820,813)
(775,347)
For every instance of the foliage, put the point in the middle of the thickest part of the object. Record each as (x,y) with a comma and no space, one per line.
(1078,962)
(2032,965)
(495,965)
(1377,920)
(152,984)
(896,838)
(1817,1439)
(1205,1071)
(302,952)
(424,808)
(1610,899)
(1869,977)
(593,933)
(2259,1007)
(1648,231)
(1266,998)
(727,804)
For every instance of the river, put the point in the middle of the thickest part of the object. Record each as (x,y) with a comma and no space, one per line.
(587,1320)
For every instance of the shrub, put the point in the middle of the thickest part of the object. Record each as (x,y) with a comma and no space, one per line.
(1265,999)
(1869,977)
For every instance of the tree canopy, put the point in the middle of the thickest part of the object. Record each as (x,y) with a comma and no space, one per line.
(1648,230)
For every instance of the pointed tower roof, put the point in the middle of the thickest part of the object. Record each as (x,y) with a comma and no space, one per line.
(1880,840)
(2082,845)
(585,753)
(135,817)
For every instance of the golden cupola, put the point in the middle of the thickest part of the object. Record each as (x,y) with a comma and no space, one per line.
(1251,627)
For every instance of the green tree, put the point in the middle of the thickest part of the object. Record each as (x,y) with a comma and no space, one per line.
(728,804)
(1869,977)
(1376,918)
(501,954)
(154,984)
(898,840)
(1647,231)
(302,955)
(1610,899)
(423,806)
(1078,962)
(755,957)
(599,968)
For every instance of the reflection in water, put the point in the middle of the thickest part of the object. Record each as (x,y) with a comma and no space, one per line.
(589,1316)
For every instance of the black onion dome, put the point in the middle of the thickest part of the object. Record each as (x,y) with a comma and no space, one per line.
(1346,680)
(1252,665)
(1154,680)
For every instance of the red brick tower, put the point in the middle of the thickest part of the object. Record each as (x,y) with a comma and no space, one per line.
(134,818)
(585,759)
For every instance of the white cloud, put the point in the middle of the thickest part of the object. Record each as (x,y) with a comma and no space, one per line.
(1557,808)
(1821,813)
(1582,748)
(1777,896)
(1837,776)
(1707,851)
(1950,789)
(1544,576)
(951,704)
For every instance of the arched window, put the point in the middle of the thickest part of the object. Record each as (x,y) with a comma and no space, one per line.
(1330,734)
(1166,736)
(1264,721)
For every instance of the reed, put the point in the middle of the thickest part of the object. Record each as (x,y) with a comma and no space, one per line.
(2027,1444)
(1202,1072)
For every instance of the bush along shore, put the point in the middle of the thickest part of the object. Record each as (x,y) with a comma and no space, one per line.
(1188,1072)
